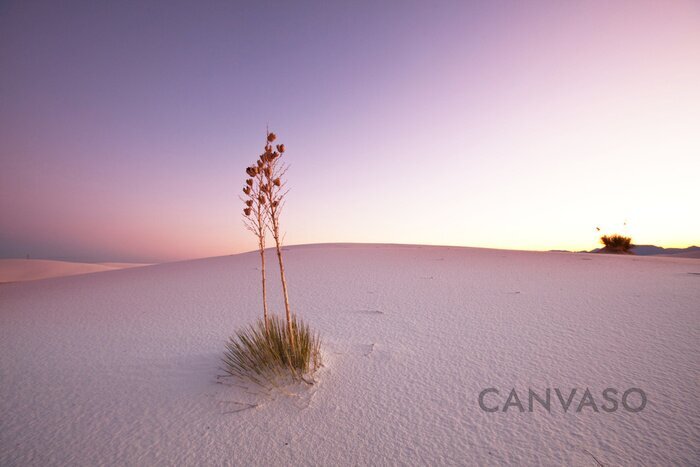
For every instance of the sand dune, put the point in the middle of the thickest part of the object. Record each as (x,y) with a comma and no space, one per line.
(685,254)
(16,270)
(120,368)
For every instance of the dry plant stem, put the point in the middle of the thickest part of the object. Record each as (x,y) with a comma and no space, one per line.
(260,213)
(257,223)
(284,285)
(264,284)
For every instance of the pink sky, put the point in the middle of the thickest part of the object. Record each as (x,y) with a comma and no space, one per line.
(124,132)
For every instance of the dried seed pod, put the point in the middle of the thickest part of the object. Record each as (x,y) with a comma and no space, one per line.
(261,198)
(249,203)
(246,211)
(260,164)
(268,172)
(264,187)
(249,182)
(271,137)
(251,171)
(275,204)
(246,190)
(275,155)
(277,182)
(268,148)
(280,148)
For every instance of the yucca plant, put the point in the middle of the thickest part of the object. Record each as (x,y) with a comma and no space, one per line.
(616,243)
(262,353)
(272,348)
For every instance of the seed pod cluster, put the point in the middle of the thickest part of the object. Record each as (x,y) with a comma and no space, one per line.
(252,171)
(260,188)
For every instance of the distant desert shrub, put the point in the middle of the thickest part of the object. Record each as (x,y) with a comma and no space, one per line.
(265,356)
(616,243)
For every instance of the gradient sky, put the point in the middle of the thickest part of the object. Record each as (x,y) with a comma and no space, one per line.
(125,127)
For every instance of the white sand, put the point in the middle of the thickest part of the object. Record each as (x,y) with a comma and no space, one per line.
(17,270)
(119,368)
(686,254)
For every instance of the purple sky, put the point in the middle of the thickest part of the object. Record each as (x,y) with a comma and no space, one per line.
(125,127)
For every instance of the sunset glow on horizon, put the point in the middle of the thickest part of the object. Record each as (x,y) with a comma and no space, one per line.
(125,129)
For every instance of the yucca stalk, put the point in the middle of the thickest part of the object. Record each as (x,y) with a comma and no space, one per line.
(257,223)
(273,170)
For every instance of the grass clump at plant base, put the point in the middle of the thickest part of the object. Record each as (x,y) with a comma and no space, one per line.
(616,243)
(268,357)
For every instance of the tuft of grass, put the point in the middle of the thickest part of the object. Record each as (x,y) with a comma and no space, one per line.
(266,356)
(616,243)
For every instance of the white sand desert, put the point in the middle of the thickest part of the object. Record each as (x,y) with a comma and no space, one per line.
(17,270)
(120,367)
